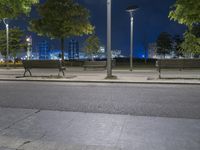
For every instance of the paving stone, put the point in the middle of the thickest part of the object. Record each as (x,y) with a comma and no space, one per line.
(54,130)
(11,142)
(8,116)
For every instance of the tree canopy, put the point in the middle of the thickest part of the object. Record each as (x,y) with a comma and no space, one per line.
(92,45)
(191,42)
(16,42)
(62,19)
(178,40)
(164,43)
(187,12)
(12,9)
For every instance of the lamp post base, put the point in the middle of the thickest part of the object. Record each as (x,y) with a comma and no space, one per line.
(111,77)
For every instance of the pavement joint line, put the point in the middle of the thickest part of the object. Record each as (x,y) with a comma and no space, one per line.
(106,81)
(29,141)
(24,143)
(17,121)
(122,129)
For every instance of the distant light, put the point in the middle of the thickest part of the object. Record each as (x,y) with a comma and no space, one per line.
(28,39)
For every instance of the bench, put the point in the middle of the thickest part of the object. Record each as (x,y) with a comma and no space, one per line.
(177,64)
(94,64)
(42,64)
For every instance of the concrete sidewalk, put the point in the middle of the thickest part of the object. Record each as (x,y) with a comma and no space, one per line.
(24,129)
(149,76)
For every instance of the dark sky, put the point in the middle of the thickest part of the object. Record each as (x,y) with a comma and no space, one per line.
(150,20)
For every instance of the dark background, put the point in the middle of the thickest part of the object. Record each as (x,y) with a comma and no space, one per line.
(150,20)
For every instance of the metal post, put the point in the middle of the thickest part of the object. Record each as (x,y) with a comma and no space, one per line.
(131,42)
(28,52)
(29,46)
(109,61)
(7,42)
(131,9)
(7,47)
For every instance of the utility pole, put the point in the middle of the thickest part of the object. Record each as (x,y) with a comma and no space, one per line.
(131,9)
(109,59)
(131,42)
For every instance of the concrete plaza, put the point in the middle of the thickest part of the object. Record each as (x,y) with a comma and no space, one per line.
(24,129)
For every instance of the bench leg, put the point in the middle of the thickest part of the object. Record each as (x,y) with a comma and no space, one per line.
(27,70)
(159,71)
(63,72)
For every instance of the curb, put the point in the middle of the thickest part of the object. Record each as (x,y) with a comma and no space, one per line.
(101,81)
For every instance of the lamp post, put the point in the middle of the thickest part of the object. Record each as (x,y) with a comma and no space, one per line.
(7,41)
(29,45)
(109,59)
(131,9)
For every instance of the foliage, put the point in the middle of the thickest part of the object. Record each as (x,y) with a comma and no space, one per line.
(177,45)
(191,43)
(92,45)
(12,9)
(62,19)
(164,43)
(187,12)
(16,42)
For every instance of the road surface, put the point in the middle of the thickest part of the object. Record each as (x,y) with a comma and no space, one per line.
(176,101)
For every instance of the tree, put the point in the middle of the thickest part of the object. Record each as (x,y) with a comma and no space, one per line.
(16,42)
(164,44)
(191,43)
(12,9)
(187,12)
(177,45)
(62,19)
(92,45)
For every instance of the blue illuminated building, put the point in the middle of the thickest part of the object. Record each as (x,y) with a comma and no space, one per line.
(73,51)
(44,50)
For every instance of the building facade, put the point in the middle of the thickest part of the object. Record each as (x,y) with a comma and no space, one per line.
(73,51)
(44,50)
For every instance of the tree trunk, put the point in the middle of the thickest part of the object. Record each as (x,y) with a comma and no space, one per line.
(62,49)
(14,63)
(92,58)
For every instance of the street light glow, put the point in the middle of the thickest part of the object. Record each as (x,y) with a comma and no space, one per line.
(29,45)
(28,39)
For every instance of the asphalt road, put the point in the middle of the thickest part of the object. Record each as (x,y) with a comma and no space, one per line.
(179,101)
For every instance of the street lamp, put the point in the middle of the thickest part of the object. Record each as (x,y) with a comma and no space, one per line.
(109,61)
(131,9)
(29,45)
(7,40)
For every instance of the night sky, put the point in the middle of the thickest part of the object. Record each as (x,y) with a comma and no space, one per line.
(150,20)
